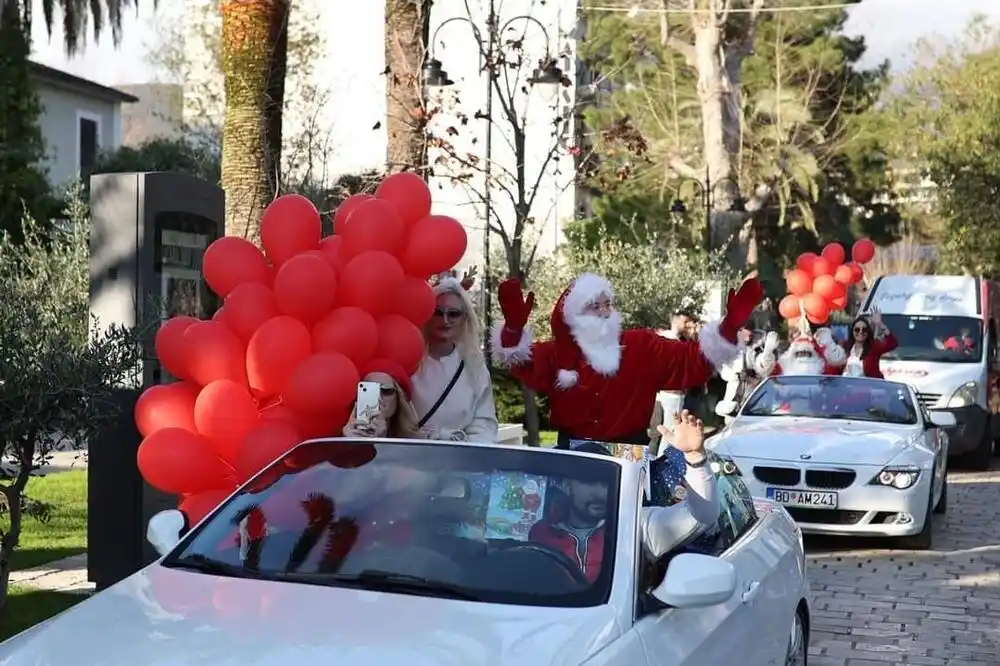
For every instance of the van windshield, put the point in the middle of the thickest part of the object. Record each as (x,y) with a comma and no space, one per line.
(936,339)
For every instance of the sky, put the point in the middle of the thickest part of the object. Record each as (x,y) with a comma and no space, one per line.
(889,26)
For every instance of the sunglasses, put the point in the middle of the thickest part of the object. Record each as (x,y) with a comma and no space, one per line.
(449,313)
(861,329)
(386,391)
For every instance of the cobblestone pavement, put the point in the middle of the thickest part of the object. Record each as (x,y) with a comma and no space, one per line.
(873,605)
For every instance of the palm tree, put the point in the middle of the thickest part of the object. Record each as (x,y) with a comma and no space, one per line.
(254,54)
(78,14)
(406,34)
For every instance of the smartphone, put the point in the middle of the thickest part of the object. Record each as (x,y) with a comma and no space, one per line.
(368,400)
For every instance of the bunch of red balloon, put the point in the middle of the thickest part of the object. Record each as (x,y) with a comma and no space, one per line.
(818,284)
(301,321)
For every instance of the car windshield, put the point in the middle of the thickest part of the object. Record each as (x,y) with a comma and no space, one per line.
(499,525)
(843,398)
(942,339)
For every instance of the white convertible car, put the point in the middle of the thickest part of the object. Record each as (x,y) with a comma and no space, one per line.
(844,455)
(389,553)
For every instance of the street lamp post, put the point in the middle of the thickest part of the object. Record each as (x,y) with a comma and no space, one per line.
(706,190)
(547,73)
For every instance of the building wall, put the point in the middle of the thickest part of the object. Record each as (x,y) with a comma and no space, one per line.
(61,110)
(157,115)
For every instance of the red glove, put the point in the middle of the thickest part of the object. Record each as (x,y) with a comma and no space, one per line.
(516,309)
(740,305)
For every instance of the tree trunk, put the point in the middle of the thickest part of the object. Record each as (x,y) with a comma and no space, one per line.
(8,542)
(254,53)
(407,24)
(532,421)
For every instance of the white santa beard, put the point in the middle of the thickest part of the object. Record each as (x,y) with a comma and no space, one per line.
(790,365)
(599,338)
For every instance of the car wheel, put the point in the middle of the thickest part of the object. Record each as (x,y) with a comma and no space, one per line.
(942,504)
(923,539)
(798,643)
(980,458)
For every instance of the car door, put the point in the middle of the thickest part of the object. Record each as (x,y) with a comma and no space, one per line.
(753,627)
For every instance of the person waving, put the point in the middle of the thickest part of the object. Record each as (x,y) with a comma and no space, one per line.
(869,340)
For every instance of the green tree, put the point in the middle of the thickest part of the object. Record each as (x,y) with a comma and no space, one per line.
(771,107)
(57,375)
(179,155)
(946,114)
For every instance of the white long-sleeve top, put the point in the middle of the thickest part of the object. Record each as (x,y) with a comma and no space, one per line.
(468,413)
(662,529)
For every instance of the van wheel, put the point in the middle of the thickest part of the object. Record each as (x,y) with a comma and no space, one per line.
(980,458)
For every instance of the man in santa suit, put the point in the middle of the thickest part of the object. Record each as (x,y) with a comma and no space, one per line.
(809,354)
(602,381)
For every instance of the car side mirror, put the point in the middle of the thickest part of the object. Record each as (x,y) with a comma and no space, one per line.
(943,419)
(696,581)
(165,530)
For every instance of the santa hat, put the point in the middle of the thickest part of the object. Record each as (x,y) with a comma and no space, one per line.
(394,369)
(583,291)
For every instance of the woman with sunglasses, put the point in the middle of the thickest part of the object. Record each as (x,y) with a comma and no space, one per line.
(396,416)
(452,391)
(869,340)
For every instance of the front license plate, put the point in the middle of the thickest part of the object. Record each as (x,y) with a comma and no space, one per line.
(803,498)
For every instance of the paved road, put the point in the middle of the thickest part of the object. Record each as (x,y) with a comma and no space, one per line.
(875,606)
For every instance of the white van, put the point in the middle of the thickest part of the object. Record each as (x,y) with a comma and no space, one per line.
(946,326)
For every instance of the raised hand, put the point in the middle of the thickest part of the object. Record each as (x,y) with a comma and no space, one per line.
(469,278)
(740,304)
(688,435)
(771,341)
(516,309)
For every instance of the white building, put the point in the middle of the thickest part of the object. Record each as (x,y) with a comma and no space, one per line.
(341,100)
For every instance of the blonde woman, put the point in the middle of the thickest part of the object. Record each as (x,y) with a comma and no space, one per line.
(396,416)
(452,391)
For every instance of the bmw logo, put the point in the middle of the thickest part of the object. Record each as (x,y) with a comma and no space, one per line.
(805,456)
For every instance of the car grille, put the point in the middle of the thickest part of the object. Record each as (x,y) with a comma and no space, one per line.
(778,476)
(829,478)
(825,516)
(928,399)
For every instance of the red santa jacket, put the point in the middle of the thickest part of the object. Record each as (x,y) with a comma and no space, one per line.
(870,362)
(589,555)
(610,408)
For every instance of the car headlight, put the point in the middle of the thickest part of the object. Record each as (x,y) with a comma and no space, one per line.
(724,466)
(900,478)
(965,395)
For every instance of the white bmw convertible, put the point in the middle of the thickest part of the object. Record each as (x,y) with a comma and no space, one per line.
(844,455)
(405,553)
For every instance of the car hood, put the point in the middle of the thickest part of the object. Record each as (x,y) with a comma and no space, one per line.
(815,440)
(166,617)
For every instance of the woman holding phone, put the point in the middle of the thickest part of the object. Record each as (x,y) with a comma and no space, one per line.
(384,407)
(452,391)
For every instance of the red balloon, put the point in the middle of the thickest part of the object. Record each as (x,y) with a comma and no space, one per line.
(231,261)
(826,287)
(331,247)
(798,282)
(821,267)
(279,414)
(331,425)
(863,251)
(415,300)
(806,261)
(856,272)
(176,461)
(345,209)
(788,308)
(374,225)
(843,274)
(834,253)
(400,340)
(305,287)
(214,352)
(816,307)
(199,505)
(408,193)
(171,348)
(289,225)
(220,315)
(839,303)
(248,307)
(275,350)
(224,413)
(166,406)
(262,446)
(349,331)
(435,244)
(323,383)
(370,281)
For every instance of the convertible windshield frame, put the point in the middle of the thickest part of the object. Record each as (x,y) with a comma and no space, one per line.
(817,383)
(339,456)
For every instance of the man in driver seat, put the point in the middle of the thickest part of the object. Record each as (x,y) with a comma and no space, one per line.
(578,531)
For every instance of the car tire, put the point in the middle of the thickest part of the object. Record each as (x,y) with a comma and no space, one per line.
(798,644)
(923,540)
(942,505)
(980,458)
